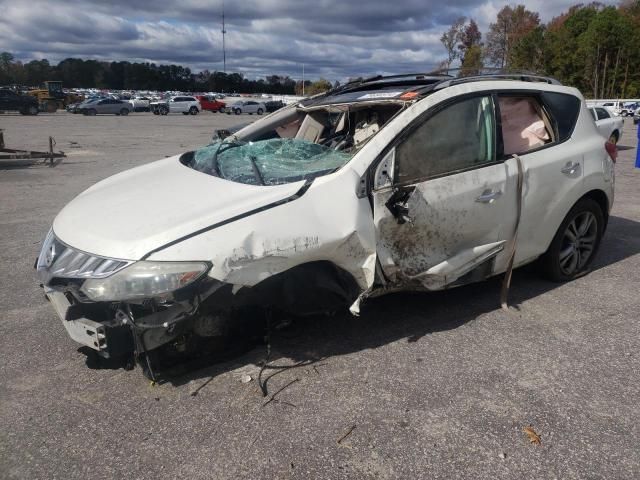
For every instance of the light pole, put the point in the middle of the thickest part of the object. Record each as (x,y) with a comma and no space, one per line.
(303,79)
(224,51)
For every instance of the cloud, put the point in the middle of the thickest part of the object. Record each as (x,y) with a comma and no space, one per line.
(332,38)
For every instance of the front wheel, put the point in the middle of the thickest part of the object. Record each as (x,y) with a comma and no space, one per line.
(124,111)
(193,111)
(260,111)
(164,111)
(92,112)
(237,111)
(221,110)
(576,242)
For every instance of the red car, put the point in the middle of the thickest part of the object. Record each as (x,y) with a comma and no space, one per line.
(209,102)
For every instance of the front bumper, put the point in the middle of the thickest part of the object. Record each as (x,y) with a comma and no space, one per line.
(108,340)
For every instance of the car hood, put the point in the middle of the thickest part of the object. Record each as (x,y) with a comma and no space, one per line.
(139,210)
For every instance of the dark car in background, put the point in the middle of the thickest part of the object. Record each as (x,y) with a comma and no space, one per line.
(13,102)
(273,105)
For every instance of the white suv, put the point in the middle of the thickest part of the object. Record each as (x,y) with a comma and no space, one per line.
(392,183)
(178,104)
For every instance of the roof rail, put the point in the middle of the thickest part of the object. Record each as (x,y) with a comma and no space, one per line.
(511,76)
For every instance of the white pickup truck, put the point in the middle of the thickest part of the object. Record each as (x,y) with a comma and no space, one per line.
(609,126)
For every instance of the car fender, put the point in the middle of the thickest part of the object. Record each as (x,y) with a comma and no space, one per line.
(326,223)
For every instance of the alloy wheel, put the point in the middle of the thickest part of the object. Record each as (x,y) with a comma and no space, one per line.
(578,243)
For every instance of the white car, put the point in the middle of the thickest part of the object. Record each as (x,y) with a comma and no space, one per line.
(401,183)
(178,104)
(247,106)
(140,104)
(609,126)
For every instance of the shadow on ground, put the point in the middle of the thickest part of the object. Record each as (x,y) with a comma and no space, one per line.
(408,316)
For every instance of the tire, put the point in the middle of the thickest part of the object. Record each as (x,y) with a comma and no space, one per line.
(92,112)
(185,113)
(260,111)
(124,112)
(221,110)
(614,137)
(576,242)
(193,111)
(164,111)
(237,111)
(156,112)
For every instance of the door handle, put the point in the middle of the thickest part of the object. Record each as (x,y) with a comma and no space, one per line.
(489,196)
(570,168)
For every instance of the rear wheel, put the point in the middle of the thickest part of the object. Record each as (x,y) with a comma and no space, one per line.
(124,111)
(221,110)
(576,242)
(92,112)
(614,137)
(260,111)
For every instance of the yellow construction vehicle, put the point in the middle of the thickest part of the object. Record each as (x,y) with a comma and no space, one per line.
(51,97)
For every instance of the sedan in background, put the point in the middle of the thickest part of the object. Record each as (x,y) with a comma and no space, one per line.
(247,106)
(609,126)
(105,106)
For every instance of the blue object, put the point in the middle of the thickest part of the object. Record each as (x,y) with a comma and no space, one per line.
(638,148)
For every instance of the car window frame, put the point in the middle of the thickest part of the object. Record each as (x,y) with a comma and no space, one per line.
(426,116)
(537,94)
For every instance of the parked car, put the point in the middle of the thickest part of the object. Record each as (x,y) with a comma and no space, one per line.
(139,104)
(178,104)
(636,116)
(105,106)
(402,183)
(609,127)
(628,108)
(11,101)
(273,105)
(209,102)
(247,106)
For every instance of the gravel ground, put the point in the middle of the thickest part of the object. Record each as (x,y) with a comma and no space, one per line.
(423,386)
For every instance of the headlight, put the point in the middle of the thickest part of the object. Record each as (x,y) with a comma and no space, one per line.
(144,280)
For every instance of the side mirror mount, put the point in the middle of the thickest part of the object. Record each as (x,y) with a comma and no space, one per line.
(384,171)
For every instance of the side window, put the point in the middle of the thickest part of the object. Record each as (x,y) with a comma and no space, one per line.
(525,126)
(602,113)
(458,137)
(564,109)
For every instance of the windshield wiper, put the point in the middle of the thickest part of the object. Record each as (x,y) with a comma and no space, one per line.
(256,170)
(230,142)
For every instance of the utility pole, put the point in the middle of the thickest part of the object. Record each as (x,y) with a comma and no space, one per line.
(224,51)
(303,79)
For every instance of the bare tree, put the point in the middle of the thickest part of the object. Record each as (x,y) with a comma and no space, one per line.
(450,40)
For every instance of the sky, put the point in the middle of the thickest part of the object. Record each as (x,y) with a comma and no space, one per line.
(334,39)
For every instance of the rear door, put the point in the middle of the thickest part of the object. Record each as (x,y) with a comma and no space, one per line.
(604,122)
(450,208)
(176,105)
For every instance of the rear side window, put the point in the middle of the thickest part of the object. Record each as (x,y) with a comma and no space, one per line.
(602,113)
(458,137)
(525,126)
(564,109)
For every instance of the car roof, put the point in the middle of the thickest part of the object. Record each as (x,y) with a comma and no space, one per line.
(412,86)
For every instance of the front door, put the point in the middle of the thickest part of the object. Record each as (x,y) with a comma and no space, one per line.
(450,208)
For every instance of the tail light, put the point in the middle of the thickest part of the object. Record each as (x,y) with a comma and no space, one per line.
(612,150)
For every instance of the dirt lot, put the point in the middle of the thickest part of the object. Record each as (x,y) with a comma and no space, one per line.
(423,386)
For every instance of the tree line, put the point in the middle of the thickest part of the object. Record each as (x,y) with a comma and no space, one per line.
(79,73)
(593,47)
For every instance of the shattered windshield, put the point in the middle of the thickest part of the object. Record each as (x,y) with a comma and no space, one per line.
(267,162)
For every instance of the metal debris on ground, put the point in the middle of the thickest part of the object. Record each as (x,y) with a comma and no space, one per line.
(274,399)
(16,154)
(343,437)
(533,436)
